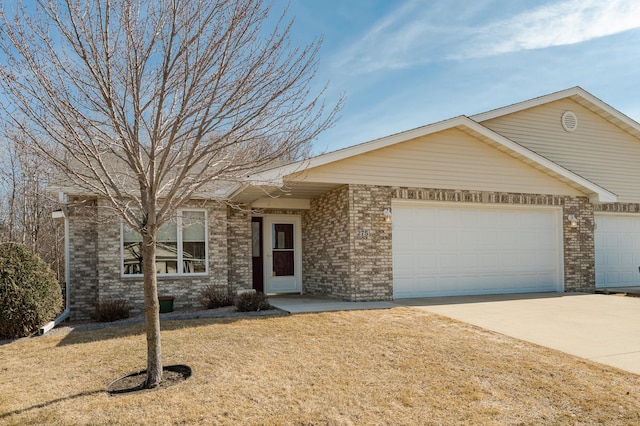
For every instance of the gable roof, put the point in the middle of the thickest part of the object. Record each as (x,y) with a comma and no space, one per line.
(578,95)
(275,177)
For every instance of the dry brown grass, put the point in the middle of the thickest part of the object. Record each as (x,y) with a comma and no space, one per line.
(398,366)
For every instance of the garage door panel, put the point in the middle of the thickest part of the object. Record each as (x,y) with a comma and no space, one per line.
(425,237)
(625,242)
(466,239)
(446,240)
(445,218)
(617,246)
(627,277)
(469,261)
(489,238)
(447,261)
(531,262)
(506,241)
(489,259)
(626,258)
(507,219)
(407,236)
(477,249)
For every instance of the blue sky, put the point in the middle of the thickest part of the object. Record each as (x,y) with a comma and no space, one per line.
(406,63)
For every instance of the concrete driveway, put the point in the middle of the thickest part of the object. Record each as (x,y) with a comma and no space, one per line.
(598,327)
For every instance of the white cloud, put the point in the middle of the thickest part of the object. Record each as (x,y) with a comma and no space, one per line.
(398,40)
(423,31)
(558,24)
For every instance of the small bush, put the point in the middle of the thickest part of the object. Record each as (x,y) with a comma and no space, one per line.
(110,310)
(213,297)
(30,294)
(248,302)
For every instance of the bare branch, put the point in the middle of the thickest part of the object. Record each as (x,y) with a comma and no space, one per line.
(146,103)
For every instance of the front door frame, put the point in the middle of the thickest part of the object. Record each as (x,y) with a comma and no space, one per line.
(290,284)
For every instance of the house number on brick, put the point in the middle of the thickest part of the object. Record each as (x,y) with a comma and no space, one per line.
(362,233)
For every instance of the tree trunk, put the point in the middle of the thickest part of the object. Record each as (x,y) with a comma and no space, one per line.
(151,311)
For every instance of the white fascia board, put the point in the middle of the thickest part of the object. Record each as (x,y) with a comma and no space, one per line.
(521,106)
(276,175)
(228,192)
(234,191)
(601,194)
(574,91)
(600,104)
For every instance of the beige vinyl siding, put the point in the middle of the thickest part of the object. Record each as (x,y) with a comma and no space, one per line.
(451,159)
(597,150)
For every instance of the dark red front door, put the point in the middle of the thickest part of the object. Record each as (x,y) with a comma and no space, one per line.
(257,254)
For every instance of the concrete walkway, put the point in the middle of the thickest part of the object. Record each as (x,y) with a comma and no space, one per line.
(602,328)
(297,304)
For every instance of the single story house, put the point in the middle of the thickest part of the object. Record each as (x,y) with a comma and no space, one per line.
(542,195)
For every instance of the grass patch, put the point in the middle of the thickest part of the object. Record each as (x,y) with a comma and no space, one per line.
(398,366)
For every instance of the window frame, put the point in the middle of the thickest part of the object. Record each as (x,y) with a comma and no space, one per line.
(179,243)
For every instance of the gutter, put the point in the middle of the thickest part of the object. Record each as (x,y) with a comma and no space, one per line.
(62,215)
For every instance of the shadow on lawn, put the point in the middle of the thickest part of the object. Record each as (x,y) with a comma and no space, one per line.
(48,403)
(107,331)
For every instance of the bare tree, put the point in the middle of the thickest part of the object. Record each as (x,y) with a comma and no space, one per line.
(25,205)
(150,102)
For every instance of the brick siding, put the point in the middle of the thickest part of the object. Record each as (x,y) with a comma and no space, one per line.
(326,263)
(95,258)
(370,235)
(239,248)
(83,257)
(347,246)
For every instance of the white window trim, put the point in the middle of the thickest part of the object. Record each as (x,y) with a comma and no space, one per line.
(180,273)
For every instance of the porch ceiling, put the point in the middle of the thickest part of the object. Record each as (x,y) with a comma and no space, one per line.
(302,190)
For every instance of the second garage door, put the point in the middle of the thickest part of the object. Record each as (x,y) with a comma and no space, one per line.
(461,249)
(617,239)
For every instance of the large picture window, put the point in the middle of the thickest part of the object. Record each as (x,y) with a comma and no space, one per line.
(181,246)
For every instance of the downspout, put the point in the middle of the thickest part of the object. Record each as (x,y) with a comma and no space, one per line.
(62,214)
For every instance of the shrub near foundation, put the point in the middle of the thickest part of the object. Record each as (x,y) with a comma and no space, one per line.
(109,310)
(30,294)
(213,297)
(252,301)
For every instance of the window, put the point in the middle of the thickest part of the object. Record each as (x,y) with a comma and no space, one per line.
(181,246)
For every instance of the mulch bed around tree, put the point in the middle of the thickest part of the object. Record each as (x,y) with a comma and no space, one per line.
(171,375)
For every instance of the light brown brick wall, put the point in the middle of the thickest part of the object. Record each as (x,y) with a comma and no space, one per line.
(326,251)
(370,235)
(239,248)
(617,207)
(83,275)
(95,262)
(579,246)
(347,246)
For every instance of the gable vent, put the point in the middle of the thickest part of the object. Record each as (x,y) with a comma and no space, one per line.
(569,121)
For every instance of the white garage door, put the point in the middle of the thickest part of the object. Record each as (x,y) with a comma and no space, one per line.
(445,249)
(617,250)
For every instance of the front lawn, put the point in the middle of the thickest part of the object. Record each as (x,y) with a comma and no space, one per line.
(398,366)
